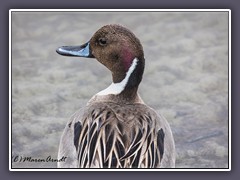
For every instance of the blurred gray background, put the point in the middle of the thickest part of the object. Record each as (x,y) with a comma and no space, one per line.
(185,79)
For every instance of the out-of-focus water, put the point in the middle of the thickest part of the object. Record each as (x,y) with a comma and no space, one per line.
(185,79)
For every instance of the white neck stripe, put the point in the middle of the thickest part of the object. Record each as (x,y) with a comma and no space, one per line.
(117,88)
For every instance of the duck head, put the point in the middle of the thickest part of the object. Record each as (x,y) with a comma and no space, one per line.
(119,50)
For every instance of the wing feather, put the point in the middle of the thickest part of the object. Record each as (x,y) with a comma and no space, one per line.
(107,140)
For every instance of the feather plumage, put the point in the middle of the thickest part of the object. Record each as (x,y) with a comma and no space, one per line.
(107,140)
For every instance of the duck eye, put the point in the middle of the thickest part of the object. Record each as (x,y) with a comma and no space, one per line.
(102,41)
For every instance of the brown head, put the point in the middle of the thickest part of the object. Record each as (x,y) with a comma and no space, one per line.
(115,47)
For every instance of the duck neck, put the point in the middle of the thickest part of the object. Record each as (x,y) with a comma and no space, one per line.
(128,86)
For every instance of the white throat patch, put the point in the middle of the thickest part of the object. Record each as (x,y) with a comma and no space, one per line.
(117,88)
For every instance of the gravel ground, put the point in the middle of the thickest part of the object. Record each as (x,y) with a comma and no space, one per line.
(186,79)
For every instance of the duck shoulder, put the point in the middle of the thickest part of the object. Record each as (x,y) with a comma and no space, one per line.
(106,134)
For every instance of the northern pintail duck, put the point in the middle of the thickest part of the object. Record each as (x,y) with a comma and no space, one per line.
(116,129)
